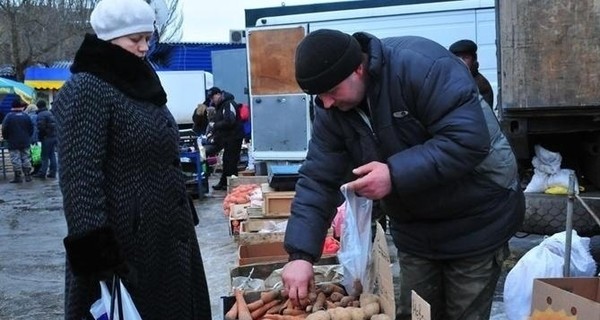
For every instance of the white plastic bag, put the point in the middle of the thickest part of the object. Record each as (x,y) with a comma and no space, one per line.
(101,308)
(355,251)
(544,261)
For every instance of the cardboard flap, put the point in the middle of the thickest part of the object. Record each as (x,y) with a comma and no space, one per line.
(381,273)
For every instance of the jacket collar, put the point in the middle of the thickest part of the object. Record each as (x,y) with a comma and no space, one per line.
(133,76)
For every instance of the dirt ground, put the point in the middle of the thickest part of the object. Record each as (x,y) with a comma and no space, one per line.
(32,256)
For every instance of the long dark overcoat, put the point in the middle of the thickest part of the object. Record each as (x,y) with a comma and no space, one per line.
(125,200)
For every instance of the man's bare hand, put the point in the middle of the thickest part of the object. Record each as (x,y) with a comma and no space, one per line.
(298,280)
(374,180)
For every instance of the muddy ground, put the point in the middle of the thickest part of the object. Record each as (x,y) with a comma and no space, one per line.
(32,257)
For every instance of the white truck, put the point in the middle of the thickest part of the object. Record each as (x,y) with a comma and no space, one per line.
(185,90)
(281,112)
(547,58)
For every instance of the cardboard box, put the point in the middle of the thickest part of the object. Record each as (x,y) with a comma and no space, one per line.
(578,297)
(255,225)
(263,252)
(239,211)
(235,226)
(233,182)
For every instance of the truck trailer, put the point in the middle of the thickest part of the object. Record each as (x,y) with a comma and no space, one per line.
(548,62)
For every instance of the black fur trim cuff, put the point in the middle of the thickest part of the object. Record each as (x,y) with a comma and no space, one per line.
(94,253)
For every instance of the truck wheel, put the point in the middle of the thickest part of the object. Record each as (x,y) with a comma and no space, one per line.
(546,214)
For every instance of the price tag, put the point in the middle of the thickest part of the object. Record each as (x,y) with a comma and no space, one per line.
(421,310)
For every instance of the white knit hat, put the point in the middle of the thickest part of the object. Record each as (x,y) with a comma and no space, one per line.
(112,19)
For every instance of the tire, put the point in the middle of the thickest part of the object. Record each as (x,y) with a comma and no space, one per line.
(546,215)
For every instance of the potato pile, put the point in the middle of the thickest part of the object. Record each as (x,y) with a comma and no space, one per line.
(328,302)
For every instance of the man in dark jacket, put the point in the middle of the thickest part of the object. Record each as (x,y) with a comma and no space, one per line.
(467,51)
(17,129)
(228,133)
(400,120)
(47,134)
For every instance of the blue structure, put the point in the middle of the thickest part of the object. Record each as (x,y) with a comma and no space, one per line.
(187,56)
(163,56)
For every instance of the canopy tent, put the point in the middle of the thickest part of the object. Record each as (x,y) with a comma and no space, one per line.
(47,78)
(26,92)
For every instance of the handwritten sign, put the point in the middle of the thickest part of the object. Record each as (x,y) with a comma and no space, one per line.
(421,310)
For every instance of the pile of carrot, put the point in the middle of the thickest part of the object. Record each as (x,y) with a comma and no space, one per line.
(238,195)
(328,302)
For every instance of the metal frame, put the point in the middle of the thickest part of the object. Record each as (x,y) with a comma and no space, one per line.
(572,196)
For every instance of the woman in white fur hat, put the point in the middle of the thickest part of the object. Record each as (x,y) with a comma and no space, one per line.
(124,196)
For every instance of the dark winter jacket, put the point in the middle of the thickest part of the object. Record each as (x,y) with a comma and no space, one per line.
(46,124)
(453,173)
(124,196)
(227,126)
(17,129)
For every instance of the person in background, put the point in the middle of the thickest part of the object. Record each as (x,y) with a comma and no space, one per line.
(17,130)
(400,120)
(467,51)
(228,133)
(124,196)
(46,124)
(31,111)
(200,118)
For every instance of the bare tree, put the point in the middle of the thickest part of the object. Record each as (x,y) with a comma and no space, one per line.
(169,18)
(45,31)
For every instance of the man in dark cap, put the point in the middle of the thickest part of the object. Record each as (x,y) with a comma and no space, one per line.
(17,129)
(401,122)
(228,133)
(467,51)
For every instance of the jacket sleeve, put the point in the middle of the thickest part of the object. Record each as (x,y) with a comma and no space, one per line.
(229,116)
(317,191)
(445,101)
(82,145)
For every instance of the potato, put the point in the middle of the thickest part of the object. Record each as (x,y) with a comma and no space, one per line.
(371,309)
(367,298)
(357,313)
(319,315)
(381,316)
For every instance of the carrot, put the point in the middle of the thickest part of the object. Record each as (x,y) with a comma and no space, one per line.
(293,312)
(256,314)
(255,305)
(282,317)
(232,313)
(269,296)
(243,312)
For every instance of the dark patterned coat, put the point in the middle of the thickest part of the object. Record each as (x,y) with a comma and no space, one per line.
(124,195)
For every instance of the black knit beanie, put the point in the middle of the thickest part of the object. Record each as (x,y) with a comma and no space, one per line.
(324,58)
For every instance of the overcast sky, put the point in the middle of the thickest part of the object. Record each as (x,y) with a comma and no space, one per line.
(203,22)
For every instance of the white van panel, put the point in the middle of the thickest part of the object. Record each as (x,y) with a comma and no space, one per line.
(442,27)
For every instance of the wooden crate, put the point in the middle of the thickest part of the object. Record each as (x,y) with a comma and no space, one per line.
(249,238)
(255,212)
(278,204)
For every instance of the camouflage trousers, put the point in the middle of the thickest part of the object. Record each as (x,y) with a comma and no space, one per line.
(456,289)
(21,160)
